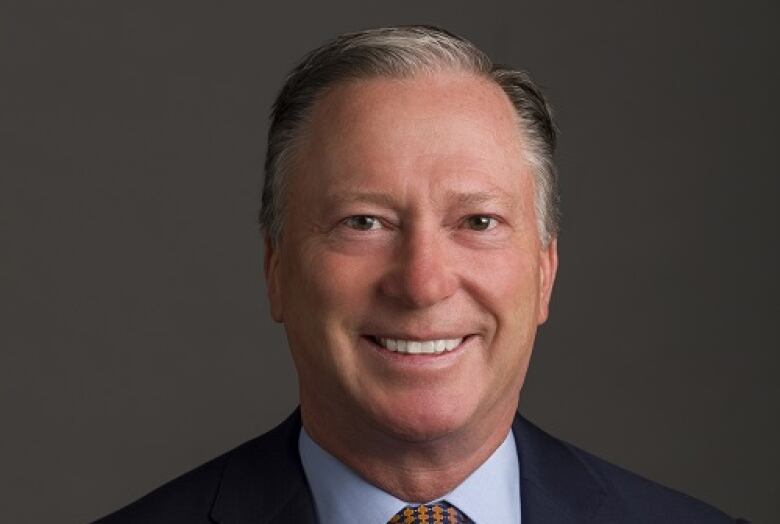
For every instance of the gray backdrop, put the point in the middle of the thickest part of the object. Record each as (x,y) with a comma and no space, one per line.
(135,335)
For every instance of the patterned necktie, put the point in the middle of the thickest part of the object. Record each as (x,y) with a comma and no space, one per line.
(437,513)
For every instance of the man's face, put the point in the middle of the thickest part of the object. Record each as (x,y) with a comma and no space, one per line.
(410,225)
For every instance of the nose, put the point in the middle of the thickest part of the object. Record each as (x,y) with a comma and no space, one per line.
(422,274)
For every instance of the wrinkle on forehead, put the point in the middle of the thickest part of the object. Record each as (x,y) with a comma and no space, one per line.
(451,196)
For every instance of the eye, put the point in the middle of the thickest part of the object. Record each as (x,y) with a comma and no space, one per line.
(481,222)
(363,222)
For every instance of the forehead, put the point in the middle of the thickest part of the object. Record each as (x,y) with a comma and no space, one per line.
(450,105)
(433,126)
(423,147)
(464,90)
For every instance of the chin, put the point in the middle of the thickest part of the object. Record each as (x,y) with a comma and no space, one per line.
(422,418)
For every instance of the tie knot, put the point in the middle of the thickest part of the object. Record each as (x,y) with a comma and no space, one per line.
(435,513)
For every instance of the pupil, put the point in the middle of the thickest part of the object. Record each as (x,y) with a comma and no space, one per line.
(480,222)
(363,222)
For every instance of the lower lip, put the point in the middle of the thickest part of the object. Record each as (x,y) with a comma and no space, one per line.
(421,359)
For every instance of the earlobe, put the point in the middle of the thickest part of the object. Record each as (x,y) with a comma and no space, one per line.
(548,267)
(271,268)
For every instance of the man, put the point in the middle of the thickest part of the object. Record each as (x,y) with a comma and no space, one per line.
(410,213)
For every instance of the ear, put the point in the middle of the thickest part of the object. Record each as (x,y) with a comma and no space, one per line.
(272,278)
(548,267)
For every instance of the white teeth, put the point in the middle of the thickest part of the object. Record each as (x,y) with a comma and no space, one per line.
(420,346)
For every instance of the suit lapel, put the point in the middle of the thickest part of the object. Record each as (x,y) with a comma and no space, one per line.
(555,486)
(263,481)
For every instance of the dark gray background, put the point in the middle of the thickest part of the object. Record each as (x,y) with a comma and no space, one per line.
(135,335)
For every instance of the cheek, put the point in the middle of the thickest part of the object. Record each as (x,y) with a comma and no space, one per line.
(508,289)
(332,287)
(508,283)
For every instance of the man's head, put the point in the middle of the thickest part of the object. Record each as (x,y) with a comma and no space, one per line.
(402,52)
(411,237)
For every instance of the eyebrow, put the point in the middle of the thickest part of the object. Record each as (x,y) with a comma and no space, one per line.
(481,197)
(461,198)
(351,197)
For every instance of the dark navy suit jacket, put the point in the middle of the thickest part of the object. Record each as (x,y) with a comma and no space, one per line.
(262,482)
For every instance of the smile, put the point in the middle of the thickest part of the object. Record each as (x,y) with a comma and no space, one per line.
(416,347)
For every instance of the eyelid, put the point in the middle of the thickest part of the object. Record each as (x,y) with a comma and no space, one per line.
(495,220)
(378,222)
(382,223)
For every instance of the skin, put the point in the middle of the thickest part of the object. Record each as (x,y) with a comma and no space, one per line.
(409,214)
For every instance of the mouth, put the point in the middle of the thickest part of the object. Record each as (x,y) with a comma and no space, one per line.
(416,346)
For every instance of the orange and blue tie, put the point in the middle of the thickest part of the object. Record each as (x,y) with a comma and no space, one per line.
(436,513)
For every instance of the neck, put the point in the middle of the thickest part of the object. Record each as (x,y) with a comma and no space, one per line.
(411,470)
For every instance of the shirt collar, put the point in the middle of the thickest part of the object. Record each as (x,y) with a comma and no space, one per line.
(490,494)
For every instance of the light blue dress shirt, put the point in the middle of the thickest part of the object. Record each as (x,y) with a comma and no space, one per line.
(489,495)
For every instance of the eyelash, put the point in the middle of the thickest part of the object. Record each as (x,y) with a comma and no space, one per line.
(494,222)
(347,221)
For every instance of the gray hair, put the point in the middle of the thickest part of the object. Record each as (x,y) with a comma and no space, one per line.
(400,52)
